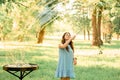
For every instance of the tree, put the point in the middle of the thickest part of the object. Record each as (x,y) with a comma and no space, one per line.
(116,16)
(45,18)
(80,18)
(96,22)
(5,21)
(116,22)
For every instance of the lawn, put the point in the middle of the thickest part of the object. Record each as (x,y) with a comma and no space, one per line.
(91,65)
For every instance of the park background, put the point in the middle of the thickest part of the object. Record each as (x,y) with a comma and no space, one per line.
(30,31)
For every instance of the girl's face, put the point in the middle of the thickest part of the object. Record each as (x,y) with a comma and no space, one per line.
(67,36)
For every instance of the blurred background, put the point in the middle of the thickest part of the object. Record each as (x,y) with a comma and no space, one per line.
(25,20)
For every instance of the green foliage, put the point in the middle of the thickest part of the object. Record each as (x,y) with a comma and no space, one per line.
(15,17)
(116,23)
(101,4)
(7,27)
(22,13)
(5,1)
(2,1)
(80,19)
(5,23)
(115,13)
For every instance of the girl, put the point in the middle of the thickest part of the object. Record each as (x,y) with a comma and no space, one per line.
(65,68)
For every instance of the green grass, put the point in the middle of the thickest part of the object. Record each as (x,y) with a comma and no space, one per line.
(89,67)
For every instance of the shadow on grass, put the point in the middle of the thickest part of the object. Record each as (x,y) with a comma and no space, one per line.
(115,44)
(83,45)
(39,51)
(47,69)
(97,73)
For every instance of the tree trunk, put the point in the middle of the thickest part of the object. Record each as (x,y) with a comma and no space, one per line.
(40,35)
(84,35)
(88,34)
(4,37)
(100,42)
(94,31)
(21,37)
(118,36)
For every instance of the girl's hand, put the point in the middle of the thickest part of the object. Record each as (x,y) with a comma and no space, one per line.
(73,37)
(75,61)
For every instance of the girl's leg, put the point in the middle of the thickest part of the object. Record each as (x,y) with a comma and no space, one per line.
(67,78)
(62,78)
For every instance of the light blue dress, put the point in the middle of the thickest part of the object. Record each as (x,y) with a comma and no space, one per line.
(65,66)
